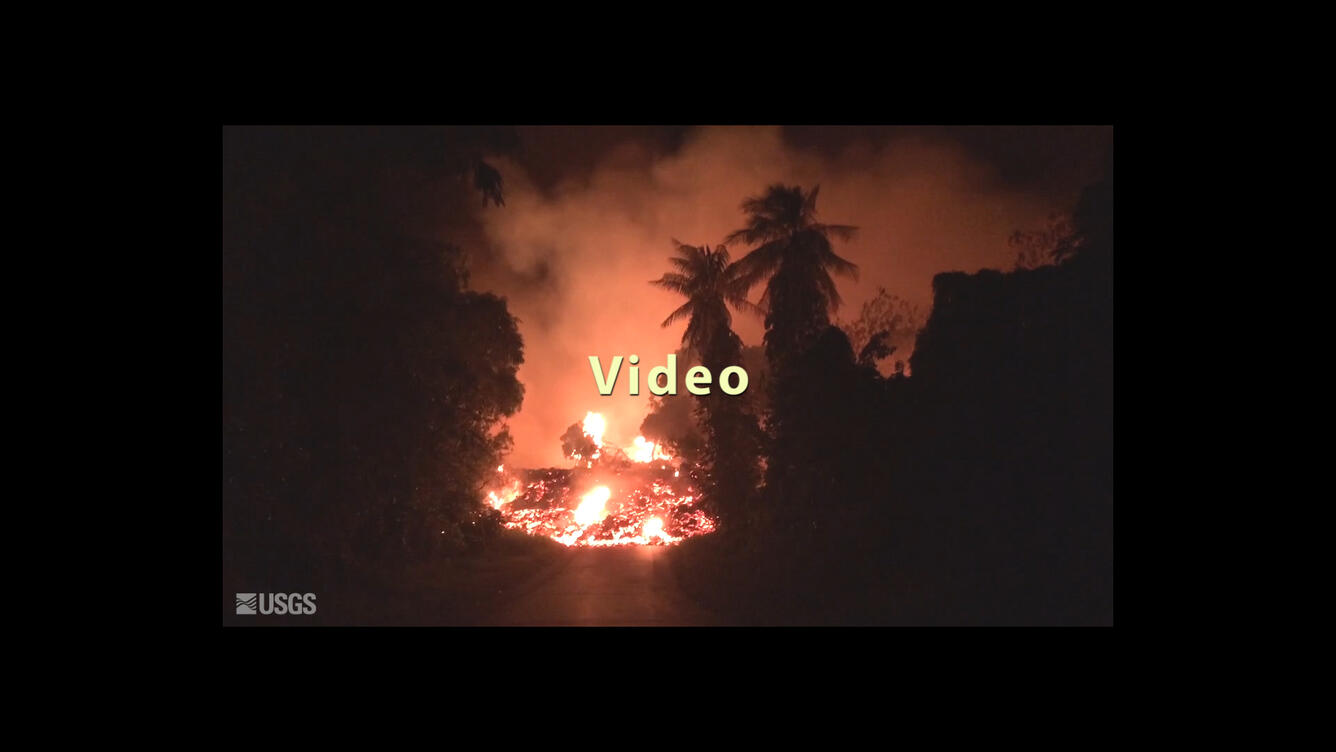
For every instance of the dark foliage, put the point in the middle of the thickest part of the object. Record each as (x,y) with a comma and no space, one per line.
(886,326)
(727,467)
(794,257)
(977,491)
(364,384)
(1010,427)
(575,443)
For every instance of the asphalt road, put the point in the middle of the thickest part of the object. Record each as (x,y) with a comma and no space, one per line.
(622,586)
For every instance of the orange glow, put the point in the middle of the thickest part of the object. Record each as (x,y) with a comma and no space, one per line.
(498,499)
(593,507)
(646,451)
(594,426)
(623,502)
(653,528)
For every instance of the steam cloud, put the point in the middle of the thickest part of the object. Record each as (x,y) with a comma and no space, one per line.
(574,261)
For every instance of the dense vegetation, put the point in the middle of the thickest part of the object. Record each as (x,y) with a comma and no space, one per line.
(363,382)
(979,490)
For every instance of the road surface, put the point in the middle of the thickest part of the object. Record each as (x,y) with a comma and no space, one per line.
(620,586)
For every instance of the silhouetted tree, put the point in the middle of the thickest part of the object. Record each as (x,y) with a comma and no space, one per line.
(575,443)
(710,285)
(1005,439)
(795,259)
(705,278)
(823,422)
(364,384)
(886,326)
(1053,244)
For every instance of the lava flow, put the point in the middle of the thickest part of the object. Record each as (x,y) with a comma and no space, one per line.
(612,498)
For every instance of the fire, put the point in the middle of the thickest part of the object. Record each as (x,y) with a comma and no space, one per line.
(592,507)
(504,496)
(594,426)
(653,511)
(647,451)
(653,528)
(636,497)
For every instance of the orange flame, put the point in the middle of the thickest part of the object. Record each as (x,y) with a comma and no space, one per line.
(593,507)
(654,504)
(653,528)
(647,451)
(498,499)
(594,426)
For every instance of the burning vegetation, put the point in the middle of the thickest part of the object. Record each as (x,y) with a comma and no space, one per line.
(611,497)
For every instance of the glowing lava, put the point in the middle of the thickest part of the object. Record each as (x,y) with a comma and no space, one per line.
(646,451)
(613,498)
(593,507)
(653,528)
(499,498)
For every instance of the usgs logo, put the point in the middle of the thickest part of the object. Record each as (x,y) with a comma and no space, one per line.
(275,603)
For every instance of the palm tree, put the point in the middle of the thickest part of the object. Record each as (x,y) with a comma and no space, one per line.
(794,254)
(732,439)
(709,283)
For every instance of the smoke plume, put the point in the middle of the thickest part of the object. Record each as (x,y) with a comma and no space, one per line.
(574,260)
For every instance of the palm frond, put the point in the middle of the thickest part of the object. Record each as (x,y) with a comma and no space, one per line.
(682,311)
(827,287)
(758,264)
(744,305)
(764,302)
(674,282)
(681,263)
(748,235)
(843,232)
(809,204)
(829,259)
